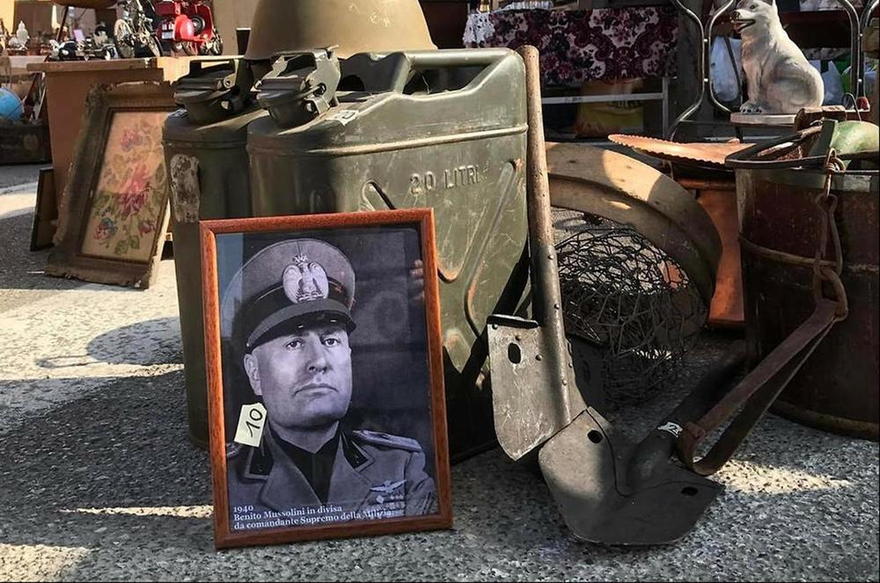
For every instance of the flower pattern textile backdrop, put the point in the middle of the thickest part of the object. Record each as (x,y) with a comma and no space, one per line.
(126,205)
(584,45)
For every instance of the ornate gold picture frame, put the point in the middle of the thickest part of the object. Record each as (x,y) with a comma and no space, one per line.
(114,212)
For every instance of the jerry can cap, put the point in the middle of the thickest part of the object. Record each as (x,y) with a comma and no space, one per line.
(214,89)
(300,87)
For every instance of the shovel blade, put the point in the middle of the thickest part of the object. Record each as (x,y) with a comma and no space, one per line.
(586,470)
(527,383)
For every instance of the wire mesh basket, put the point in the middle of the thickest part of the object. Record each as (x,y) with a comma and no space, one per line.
(630,300)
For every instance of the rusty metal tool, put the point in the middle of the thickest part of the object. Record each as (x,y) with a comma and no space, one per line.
(710,154)
(608,490)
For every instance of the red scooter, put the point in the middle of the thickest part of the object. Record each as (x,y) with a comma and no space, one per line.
(186,27)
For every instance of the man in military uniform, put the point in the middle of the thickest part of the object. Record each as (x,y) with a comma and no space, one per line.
(289,309)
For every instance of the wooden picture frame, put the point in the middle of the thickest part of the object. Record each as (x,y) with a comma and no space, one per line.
(291,458)
(114,212)
(45,211)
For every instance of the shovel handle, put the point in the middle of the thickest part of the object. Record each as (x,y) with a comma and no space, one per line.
(541,245)
(547,303)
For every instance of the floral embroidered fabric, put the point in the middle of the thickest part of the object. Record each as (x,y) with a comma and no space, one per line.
(583,45)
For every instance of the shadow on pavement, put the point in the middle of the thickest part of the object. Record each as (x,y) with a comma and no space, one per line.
(113,472)
(145,343)
(79,476)
(124,447)
(21,268)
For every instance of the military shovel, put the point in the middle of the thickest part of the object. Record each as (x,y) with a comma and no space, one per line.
(608,489)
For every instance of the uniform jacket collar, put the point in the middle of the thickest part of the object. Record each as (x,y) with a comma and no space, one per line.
(285,486)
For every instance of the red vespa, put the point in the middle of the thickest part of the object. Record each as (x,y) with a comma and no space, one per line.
(186,27)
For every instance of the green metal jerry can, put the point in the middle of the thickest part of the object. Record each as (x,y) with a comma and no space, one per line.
(206,157)
(441,129)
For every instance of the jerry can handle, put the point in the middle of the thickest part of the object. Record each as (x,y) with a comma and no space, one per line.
(445,59)
(384,72)
(205,63)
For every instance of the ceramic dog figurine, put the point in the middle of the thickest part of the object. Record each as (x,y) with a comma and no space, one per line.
(780,80)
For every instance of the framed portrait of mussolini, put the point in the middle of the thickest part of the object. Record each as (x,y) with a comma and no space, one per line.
(325,373)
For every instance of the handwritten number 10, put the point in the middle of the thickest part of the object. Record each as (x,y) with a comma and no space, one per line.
(257,416)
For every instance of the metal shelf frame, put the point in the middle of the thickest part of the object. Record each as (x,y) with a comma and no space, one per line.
(858,25)
(662,95)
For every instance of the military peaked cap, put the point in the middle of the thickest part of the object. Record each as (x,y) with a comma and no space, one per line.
(283,288)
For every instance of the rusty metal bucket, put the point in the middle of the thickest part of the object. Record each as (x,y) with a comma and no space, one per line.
(837,387)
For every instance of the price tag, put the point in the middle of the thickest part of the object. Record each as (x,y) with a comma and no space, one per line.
(250,425)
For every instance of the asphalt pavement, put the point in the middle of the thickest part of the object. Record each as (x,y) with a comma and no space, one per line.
(99,482)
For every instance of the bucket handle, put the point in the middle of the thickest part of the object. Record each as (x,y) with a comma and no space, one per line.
(744,405)
(754,157)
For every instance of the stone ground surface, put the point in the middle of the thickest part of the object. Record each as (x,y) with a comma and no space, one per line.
(99,482)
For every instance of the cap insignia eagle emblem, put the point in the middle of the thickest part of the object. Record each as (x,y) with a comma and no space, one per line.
(305,281)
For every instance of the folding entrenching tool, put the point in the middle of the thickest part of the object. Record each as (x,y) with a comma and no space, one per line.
(609,490)
(534,392)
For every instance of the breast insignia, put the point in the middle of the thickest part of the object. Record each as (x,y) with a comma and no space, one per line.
(389,491)
(388,486)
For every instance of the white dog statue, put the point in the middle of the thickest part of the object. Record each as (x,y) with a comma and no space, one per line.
(780,79)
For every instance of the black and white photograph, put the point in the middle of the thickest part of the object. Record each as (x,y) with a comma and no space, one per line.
(329,393)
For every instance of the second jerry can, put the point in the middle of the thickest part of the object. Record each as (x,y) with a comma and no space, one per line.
(206,157)
(441,129)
